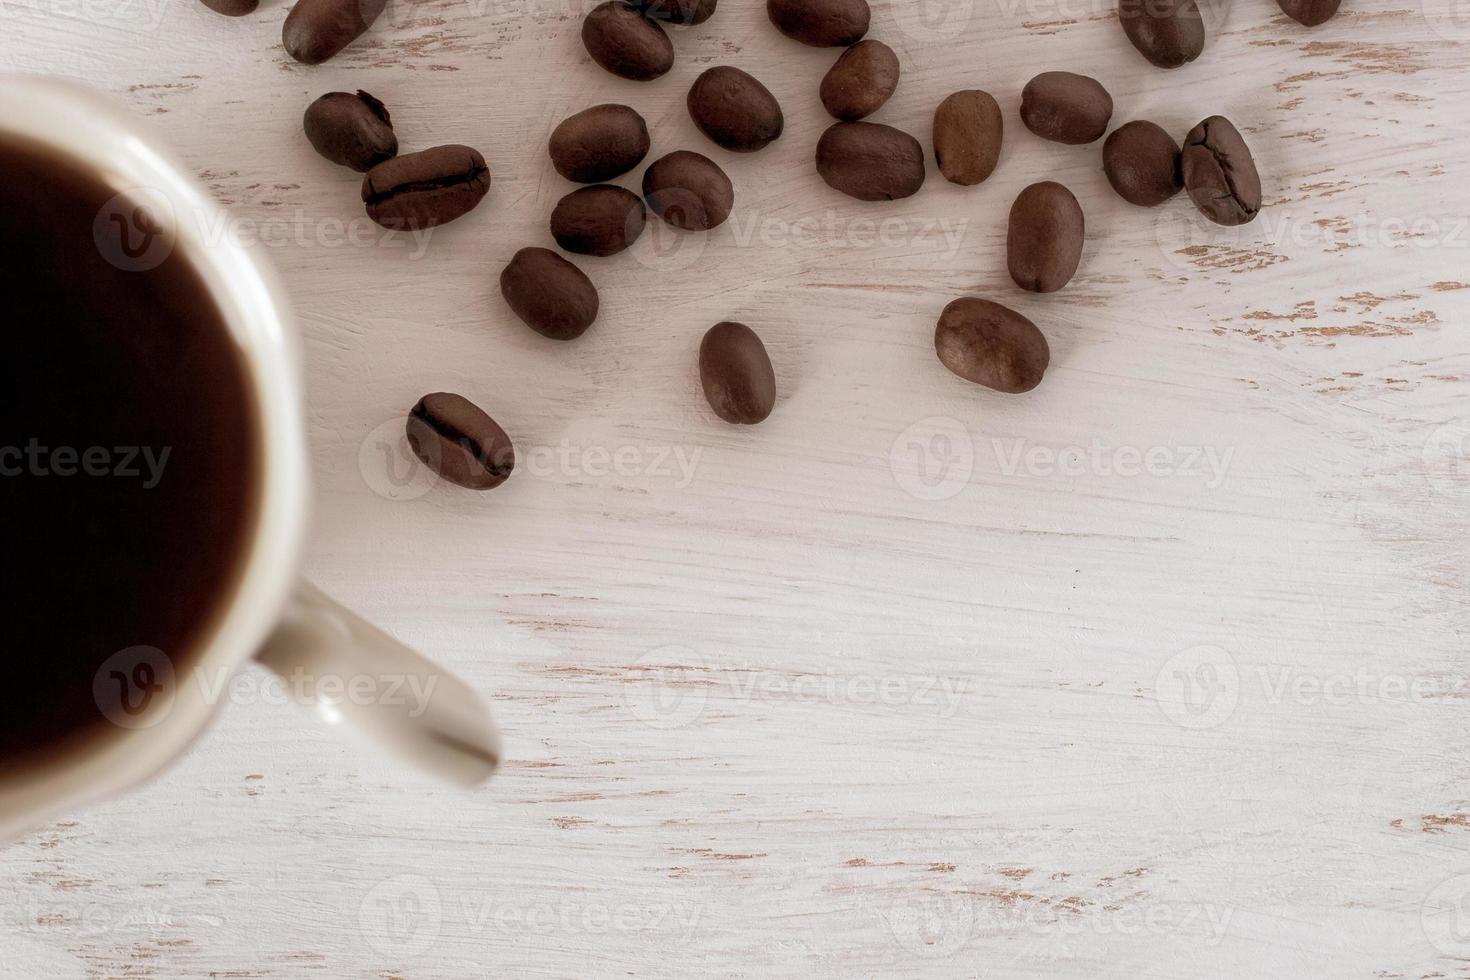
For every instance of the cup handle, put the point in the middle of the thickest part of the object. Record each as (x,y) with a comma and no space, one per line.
(405,703)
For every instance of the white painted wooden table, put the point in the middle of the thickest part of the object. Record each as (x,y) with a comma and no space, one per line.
(1158,671)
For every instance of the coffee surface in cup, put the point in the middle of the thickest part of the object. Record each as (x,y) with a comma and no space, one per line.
(130,458)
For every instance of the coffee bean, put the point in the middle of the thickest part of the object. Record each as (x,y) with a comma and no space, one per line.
(315,30)
(735,371)
(1169,33)
(1066,108)
(1141,161)
(458,441)
(1044,239)
(549,294)
(1310,13)
(1220,173)
(599,220)
(821,23)
(232,8)
(352,130)
(870,161)
(626,43)
(991,345)
(598,144)
(688,190)
(424,189)
(863,78)
(967,135)
(677,11)
(734,110)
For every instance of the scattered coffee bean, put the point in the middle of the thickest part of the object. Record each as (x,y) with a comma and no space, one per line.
(863,78)
(1220,173)
(1169,33)
(552,296)
(870,161)
(599,220)
(232,8)
(821,23)
(352,130)
(1310,13)
(424,189)
(734,110)
(1044,239)
(991,345)
(458,441)
(967,135)
(686,12)
(626,43)
(1141,161)
(1066,108)
(735,371)
(688,190)
(315,30)
(598,144)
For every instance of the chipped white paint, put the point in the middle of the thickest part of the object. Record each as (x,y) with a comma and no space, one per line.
(896,683)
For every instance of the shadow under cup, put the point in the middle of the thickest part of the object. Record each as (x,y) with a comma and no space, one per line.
(131,461)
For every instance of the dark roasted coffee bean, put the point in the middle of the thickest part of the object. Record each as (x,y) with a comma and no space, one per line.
(315,30)
(734,110)
(677,11)
(458,441)
(1141,161)
(821,23)
(598,144)
(600,220)
(352,130)
(863,78)
(1044,238)
(1220,173)
(626,43)
(870,161)
(688,190)
(1310,13)
(552,296)
(967,135)
(1066,108)
(1169,33)
(232,8)
(991,345)
(424,189)
(735,370)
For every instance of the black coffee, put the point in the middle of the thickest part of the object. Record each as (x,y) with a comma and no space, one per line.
(129,455)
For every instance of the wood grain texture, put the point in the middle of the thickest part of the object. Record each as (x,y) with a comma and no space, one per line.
(909,680)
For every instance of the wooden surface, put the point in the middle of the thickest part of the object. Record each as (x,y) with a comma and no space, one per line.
(909,680)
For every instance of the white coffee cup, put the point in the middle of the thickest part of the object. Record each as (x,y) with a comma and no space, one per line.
(271,615)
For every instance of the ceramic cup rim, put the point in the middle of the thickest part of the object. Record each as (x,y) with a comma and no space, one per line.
(77,122)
